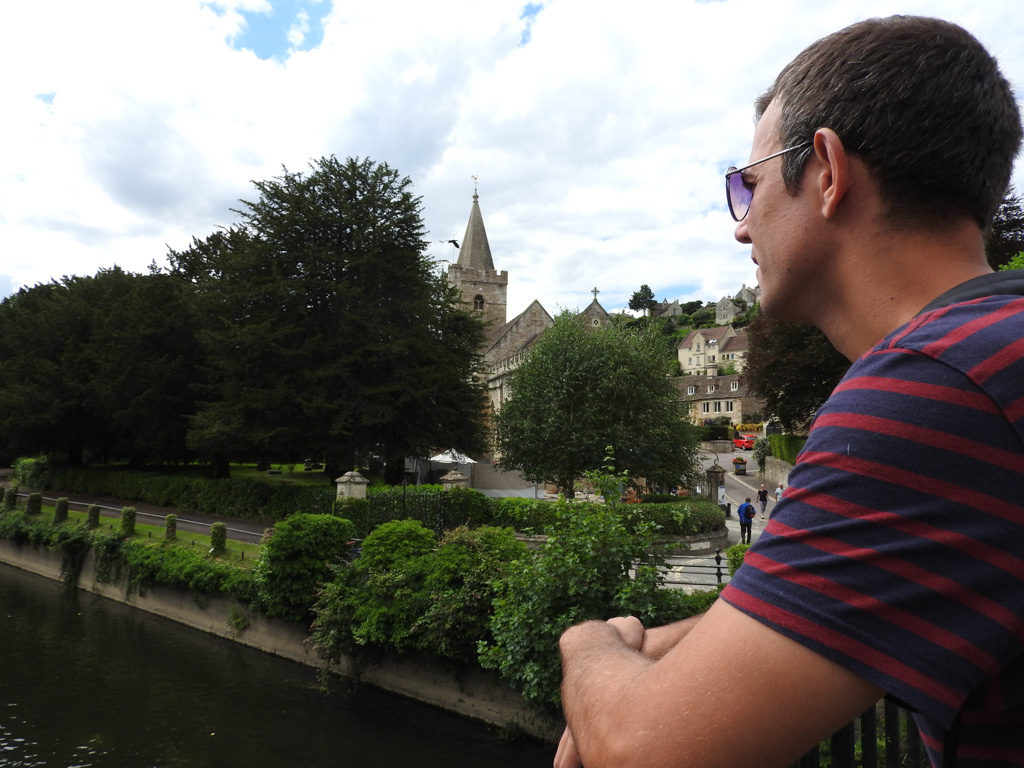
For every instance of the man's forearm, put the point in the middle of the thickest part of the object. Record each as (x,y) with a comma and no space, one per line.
(660,640)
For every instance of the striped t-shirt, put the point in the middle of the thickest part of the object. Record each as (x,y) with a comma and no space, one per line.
(898,548)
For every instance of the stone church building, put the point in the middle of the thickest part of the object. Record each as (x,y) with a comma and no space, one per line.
(485,289)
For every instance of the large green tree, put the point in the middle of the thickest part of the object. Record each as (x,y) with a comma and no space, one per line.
(97,367)
(643,300)
(327,330)
(582,389)
(793,368)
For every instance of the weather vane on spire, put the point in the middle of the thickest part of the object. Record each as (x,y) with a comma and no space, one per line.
(474,177)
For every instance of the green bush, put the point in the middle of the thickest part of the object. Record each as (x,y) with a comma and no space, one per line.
(170,528)
(126,528)
(786,447)
(583,573)
(147,565)
(660,498)
(19,528)
(407,592)
(686,517)
(28,472)
(60,511)
(295,558)
(92,516)
(376,600)
(34,504)
(762,450)
(523,515)
(735,555)
(218,538)
(716,432)
(459,583)
(10,499)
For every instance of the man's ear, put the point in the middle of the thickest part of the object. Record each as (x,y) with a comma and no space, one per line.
(833,181)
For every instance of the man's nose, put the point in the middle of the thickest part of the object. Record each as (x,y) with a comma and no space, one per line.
(741,232)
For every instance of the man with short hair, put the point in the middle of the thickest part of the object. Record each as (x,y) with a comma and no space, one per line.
(895,561)
(745,513)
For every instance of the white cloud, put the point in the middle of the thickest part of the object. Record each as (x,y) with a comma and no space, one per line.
(599,142)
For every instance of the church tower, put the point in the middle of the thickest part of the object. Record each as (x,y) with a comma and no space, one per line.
(482,286)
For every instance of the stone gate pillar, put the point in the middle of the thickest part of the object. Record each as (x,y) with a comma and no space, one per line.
(454,479)
(352,485)
(715,481)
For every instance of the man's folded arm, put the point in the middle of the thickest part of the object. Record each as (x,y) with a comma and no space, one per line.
(730,692)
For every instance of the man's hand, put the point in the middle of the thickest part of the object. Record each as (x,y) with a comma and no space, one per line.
(632,633)
(630,629)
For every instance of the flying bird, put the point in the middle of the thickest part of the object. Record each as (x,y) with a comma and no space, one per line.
(453,242)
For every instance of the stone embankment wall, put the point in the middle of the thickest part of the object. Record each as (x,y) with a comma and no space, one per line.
(471,691)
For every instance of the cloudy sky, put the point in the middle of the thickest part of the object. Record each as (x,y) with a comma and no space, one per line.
(598,131)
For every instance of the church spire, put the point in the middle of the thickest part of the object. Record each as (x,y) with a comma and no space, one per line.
(475,252)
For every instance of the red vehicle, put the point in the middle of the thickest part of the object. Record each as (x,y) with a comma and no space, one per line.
(745,442)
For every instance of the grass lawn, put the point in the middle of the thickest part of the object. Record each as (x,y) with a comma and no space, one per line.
(236,550)
(290,474)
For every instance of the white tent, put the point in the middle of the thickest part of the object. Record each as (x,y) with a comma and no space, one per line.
(451,457)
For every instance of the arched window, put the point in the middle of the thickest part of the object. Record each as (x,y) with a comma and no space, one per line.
(478,302)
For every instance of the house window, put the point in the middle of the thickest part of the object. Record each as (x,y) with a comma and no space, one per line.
(698,346)
(705,407)
(478,302)
(718,406)
(690,390)
(711,388)
(728,406)
(734,385)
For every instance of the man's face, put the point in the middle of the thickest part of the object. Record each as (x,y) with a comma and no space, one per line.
(779,229)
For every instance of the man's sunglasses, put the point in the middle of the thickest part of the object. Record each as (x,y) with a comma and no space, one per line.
(737,193)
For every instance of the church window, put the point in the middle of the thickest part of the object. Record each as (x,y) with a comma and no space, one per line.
(478,302)
(595,322)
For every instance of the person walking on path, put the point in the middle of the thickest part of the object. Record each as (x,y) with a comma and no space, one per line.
(778,494)
(746,516)
(762,499)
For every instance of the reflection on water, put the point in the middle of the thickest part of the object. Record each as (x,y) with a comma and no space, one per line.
(88,682)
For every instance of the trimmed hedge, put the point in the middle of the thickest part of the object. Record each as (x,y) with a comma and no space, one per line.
(786,447)
(224,498)
(437,509)
(683,518)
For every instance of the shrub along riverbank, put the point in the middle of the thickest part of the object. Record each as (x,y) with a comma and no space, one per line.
(435,574)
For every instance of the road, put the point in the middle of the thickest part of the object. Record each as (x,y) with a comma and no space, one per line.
(703,572)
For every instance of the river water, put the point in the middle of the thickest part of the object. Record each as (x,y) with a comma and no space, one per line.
(85,682)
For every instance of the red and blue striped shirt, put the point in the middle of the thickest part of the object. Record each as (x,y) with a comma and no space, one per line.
(898,548)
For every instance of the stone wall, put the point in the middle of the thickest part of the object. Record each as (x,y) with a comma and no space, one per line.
(776,471)
(472,692)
